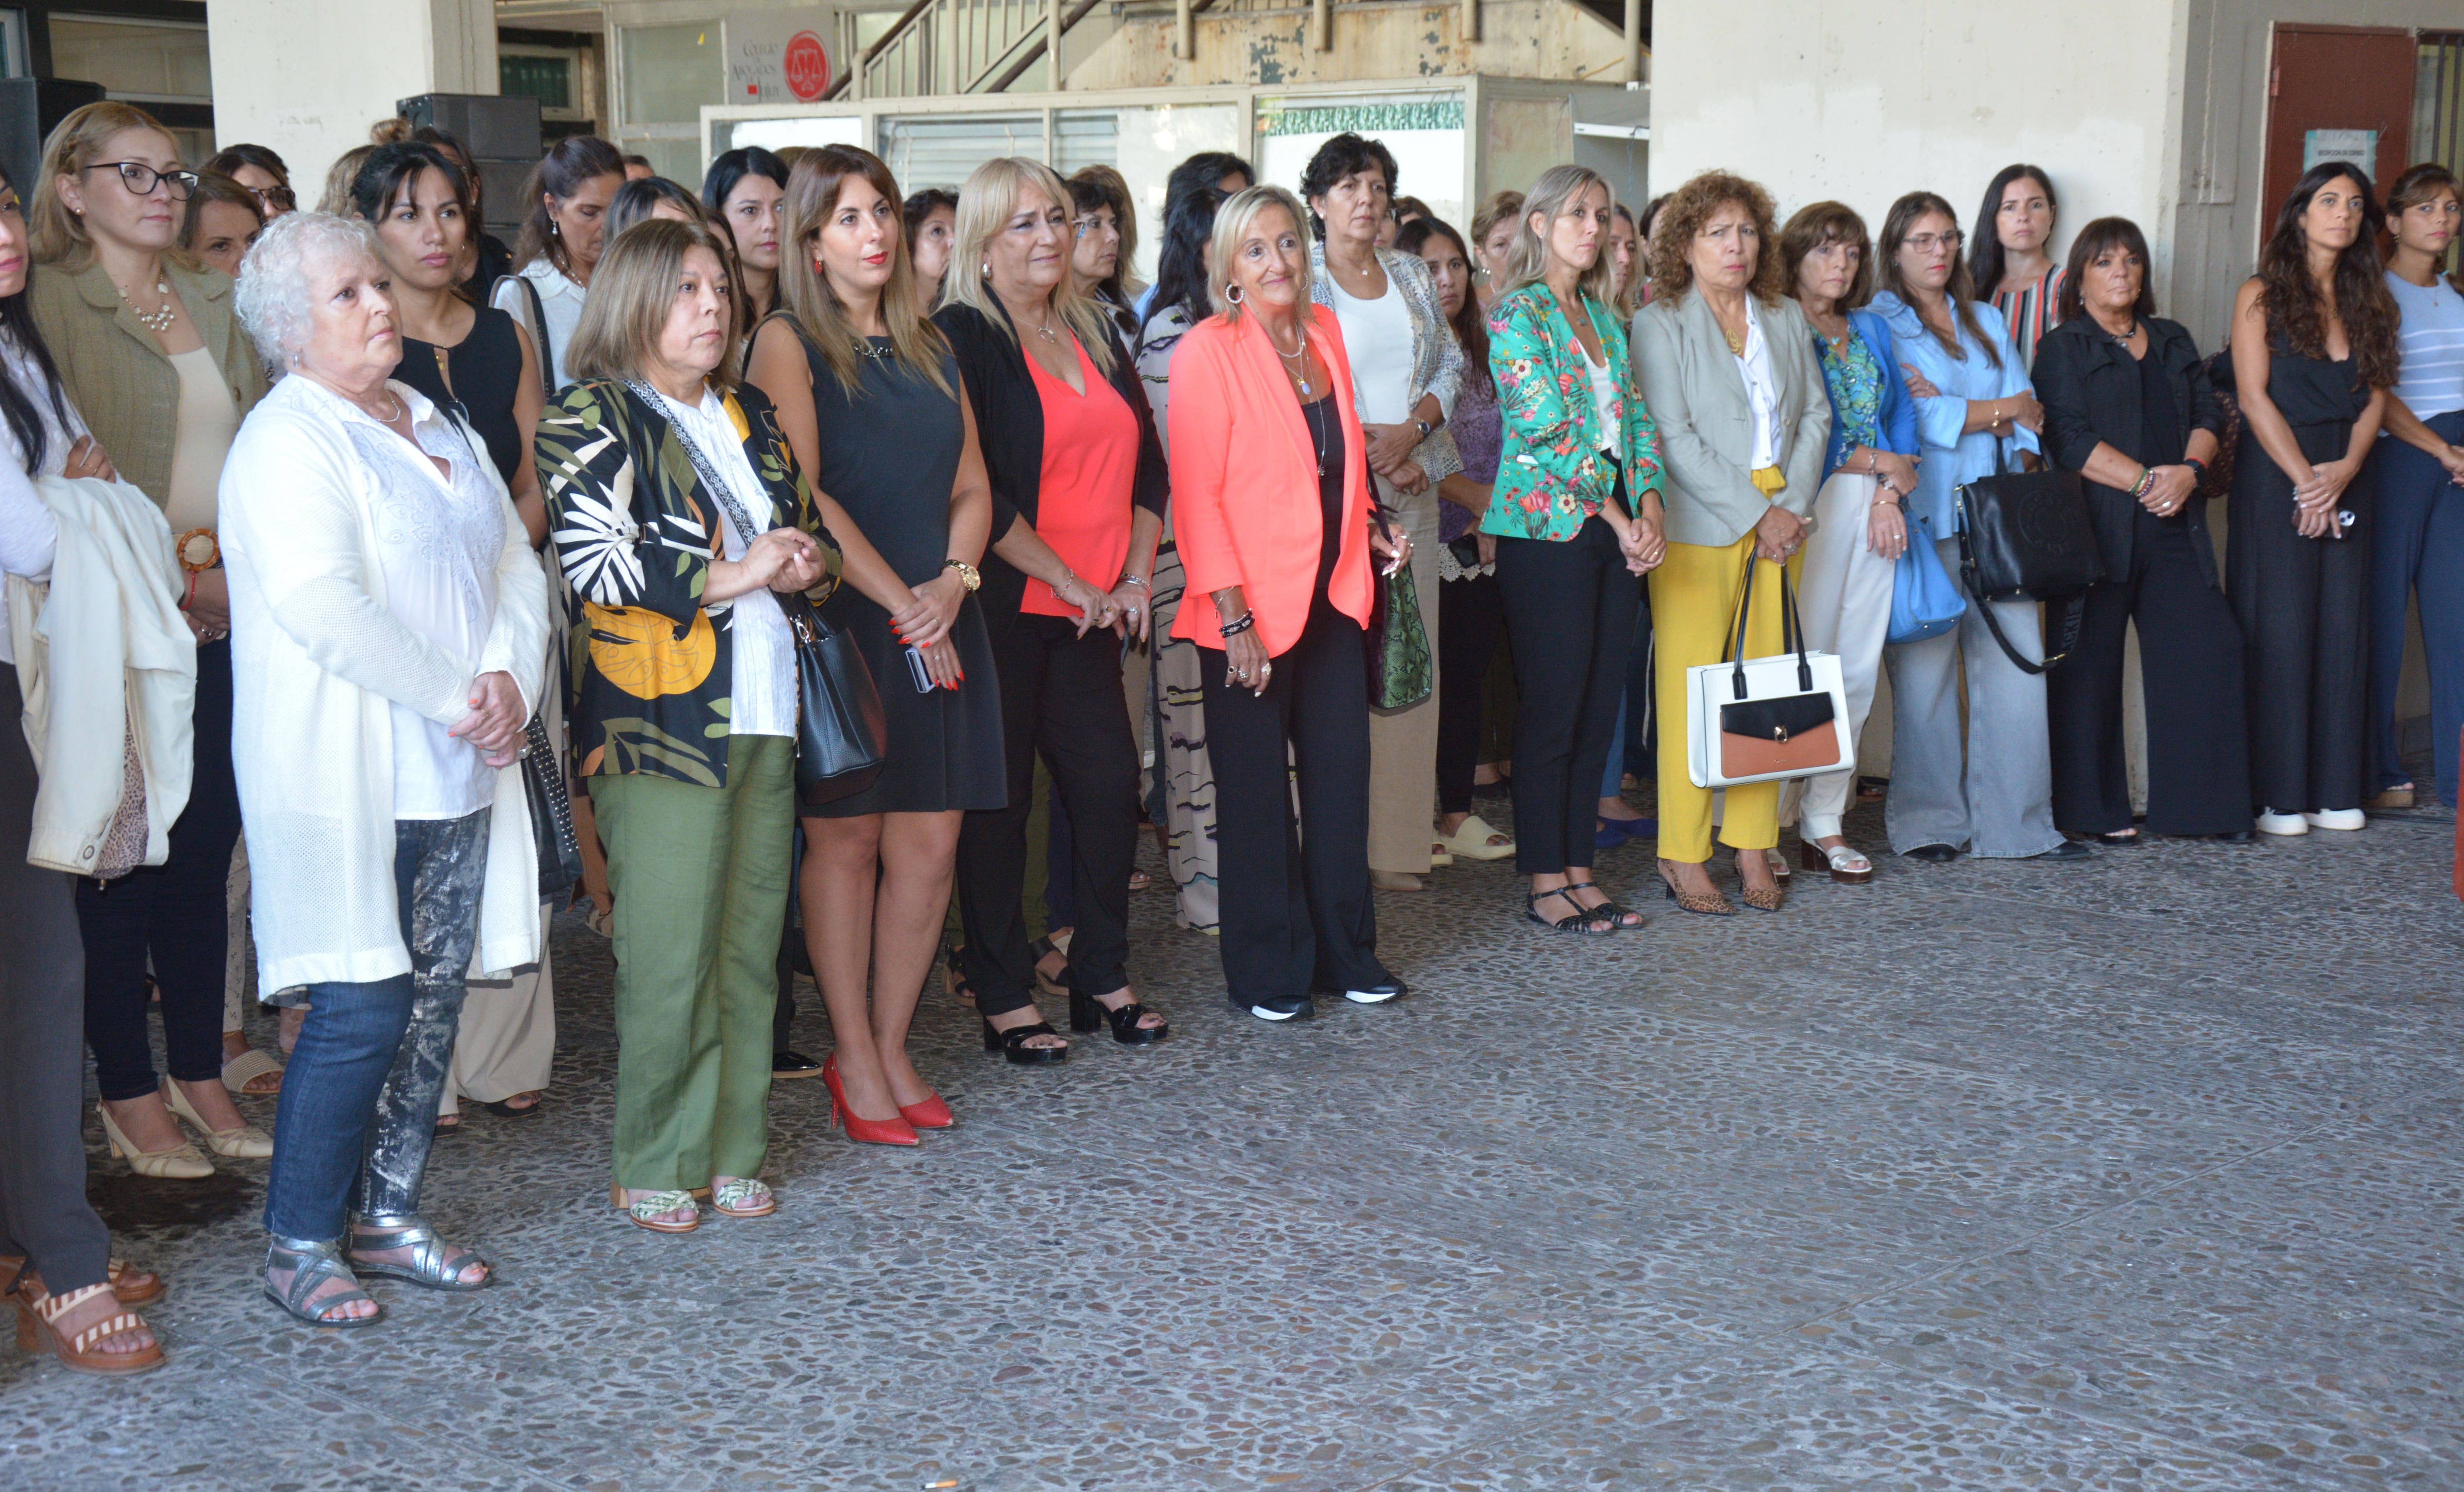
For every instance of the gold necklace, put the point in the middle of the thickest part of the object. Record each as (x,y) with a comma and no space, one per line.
(1299,376)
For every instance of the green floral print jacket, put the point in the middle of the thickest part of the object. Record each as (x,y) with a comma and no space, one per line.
(1551,475)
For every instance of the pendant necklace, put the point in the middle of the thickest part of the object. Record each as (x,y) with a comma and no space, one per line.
(1300,373)
(159,321)
(1317,428)
(1046,330)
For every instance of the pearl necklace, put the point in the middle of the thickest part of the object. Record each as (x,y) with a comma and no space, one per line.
(159,321)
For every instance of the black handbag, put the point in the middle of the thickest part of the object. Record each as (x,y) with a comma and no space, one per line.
(2028,535)
(841,737)
(558,847)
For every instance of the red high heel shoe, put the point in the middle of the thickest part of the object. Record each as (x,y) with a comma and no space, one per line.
(863,1130)
(930,1114)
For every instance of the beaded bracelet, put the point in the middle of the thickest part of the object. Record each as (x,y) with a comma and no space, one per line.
(1248,619)
(2146,482)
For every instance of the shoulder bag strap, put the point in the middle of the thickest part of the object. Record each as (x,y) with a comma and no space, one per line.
(538,329)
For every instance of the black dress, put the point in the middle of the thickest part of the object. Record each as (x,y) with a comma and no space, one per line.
(2159,573)
(2301,601)
(486,373)
(890,456)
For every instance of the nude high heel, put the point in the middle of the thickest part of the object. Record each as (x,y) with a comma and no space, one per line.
(178,1163)
(248,1142)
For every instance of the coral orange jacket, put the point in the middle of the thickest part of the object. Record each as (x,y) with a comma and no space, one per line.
(1245,485)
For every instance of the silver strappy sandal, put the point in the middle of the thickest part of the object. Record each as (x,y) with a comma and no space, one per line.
(312,1263)
(434,1264)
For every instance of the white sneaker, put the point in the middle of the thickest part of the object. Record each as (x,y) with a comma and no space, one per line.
(2270,821)
(2336,818)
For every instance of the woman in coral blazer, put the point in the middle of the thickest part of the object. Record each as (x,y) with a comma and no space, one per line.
(1271,512)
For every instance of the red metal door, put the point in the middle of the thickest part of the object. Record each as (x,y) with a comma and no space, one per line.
(2336,78)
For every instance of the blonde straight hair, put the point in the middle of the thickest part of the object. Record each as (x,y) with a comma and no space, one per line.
(1232,223)
(76,142)
(1551,197)
(631,292)
(985,204)
(804,294)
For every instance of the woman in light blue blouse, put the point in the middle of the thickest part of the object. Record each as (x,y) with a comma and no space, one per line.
(1993,794)
(1850,560)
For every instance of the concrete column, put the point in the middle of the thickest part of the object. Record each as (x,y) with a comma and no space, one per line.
(307,78)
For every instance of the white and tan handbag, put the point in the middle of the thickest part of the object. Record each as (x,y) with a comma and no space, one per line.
(1763,719)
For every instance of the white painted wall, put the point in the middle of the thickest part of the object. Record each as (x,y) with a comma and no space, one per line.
(307,78)
(1862,102)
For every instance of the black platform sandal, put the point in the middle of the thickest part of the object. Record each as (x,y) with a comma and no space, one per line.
(1621,916)
(1585,922)
(1012,1044)
(1087,1013)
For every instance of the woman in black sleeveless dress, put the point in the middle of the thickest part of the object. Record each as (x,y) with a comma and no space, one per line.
(869,397)
(2314,353)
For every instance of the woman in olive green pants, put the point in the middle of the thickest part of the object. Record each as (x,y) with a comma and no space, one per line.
(680,521)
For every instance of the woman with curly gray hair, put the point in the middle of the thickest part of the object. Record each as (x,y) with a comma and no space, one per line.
(388,622)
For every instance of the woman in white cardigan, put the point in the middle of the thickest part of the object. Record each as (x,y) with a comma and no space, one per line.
(388,622)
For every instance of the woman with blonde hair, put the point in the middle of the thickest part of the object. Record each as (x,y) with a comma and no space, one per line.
(868,396)
(1271,480)
(1577,515)
(1077,478)
(1727,360)
(150,353)
(680,518)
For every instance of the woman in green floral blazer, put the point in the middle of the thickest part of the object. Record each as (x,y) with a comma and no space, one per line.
(680,522)
(1575,510)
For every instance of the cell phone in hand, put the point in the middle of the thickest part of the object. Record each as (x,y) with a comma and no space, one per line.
(919,671)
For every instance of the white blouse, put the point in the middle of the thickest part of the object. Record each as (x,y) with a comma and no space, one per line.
(1762,390)
(1603,400)
(437,543)
(762,698)
(29,532)
(1377,342)
(560,301)
(319,659)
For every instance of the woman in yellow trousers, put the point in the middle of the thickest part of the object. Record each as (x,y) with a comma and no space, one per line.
(1726,365)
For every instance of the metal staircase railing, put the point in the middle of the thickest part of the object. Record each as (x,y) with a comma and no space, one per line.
(958,46)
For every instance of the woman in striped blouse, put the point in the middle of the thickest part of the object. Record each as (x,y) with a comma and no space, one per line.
(2013,261)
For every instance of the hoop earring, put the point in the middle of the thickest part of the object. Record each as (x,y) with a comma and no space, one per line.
(1232,294)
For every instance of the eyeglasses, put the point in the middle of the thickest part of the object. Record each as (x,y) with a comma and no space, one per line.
(1927,243)
(273,201)
(1091,224)
(140,178)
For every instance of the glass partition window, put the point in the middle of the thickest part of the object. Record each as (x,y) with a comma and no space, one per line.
(141,61)
(1143,144)
(1424,133)
(669,71)
(828,129)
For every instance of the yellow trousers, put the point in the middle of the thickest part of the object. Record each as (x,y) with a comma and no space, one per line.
(1693,613)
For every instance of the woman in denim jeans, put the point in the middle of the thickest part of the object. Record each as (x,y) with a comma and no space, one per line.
(390,623)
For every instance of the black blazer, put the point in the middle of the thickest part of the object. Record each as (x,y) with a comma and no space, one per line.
(2090,391)
(1009,430)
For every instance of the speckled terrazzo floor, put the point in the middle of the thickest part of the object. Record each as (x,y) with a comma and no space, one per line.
(2141,1173)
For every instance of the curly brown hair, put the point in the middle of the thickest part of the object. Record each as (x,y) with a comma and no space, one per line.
(2290,300)
(1691,205)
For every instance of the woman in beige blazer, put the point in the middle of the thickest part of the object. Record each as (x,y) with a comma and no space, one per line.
(150,354)
(1726,365)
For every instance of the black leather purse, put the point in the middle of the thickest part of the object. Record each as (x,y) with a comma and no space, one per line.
(559,849)
(2027,534)
(841,737)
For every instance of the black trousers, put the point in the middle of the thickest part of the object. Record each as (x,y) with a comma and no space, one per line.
(1061,696)
(43,1211)
(2303,608)
(176,913)
(1570,610)
(2191,666)
(1297,914)
(1469,617)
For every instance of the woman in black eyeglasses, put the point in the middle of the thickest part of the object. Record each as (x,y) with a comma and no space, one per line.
(153,358)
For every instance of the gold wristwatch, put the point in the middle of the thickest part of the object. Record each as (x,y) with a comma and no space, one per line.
(967,575)
(198,550)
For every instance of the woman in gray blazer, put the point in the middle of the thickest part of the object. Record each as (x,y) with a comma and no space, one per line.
(1726,365)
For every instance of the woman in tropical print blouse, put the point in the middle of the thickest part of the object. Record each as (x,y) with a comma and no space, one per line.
(1577,516)
(680,522)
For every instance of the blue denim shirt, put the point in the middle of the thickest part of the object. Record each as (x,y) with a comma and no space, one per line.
(1951,458)
(1896,418)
